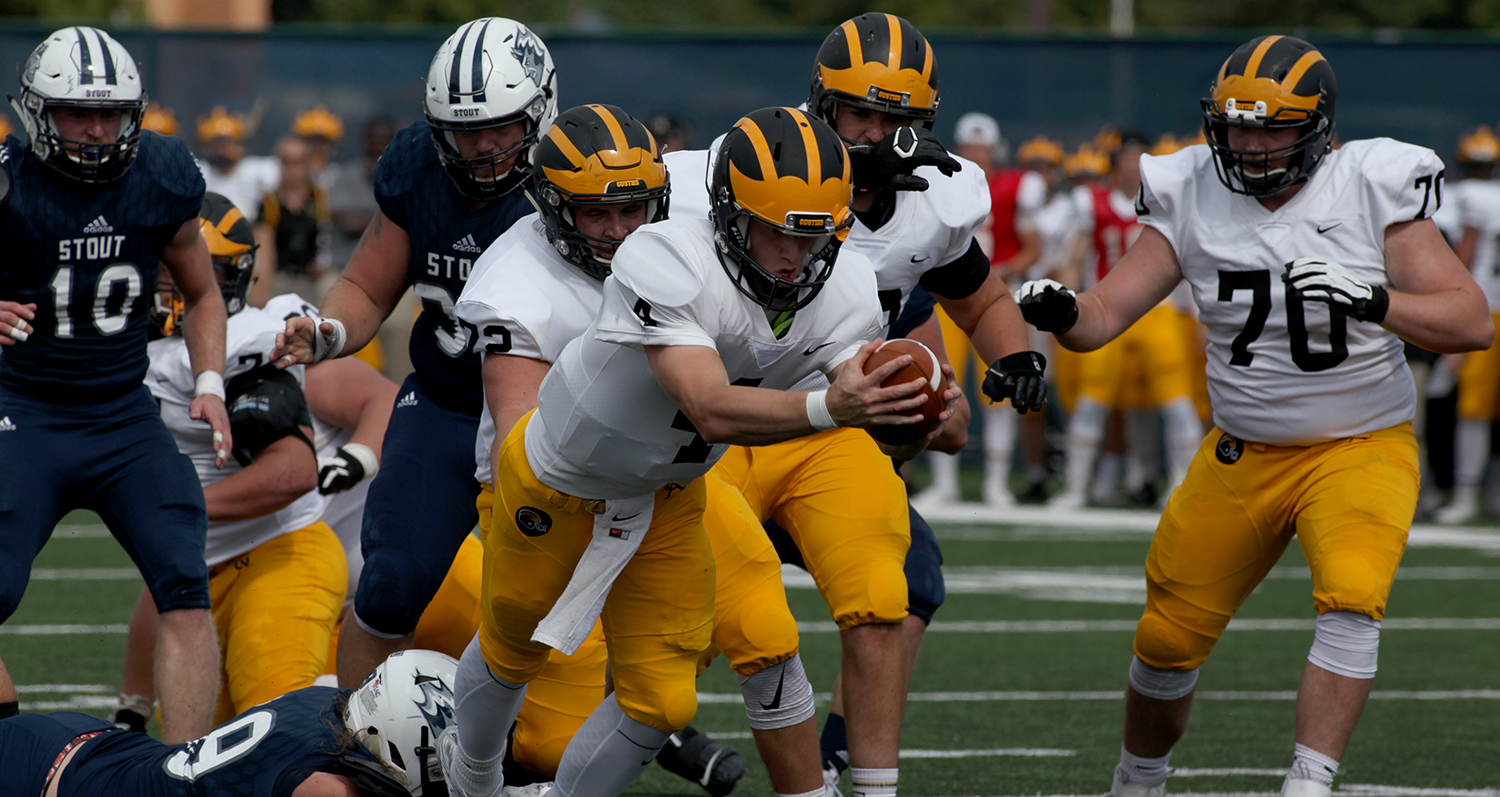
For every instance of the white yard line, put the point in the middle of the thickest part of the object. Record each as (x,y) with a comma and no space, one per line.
(63,688)
(45,630)
(85,574)
(1118,694)
(1073,626)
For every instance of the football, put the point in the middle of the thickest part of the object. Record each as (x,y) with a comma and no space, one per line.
(925,366)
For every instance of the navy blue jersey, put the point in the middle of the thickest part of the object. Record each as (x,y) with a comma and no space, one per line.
(266,751)
(87,255)
(446,238)
(914,313)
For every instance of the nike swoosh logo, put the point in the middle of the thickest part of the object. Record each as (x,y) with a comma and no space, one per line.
(618,519)
(916,259)
(776,701)
(1322,230)
(811,349)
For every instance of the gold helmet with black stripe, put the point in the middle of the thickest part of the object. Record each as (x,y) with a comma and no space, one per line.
(878,62)
(596,155)
(231,247)
(786,169)
(1272,82)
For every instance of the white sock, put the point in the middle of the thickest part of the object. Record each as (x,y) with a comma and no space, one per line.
(1471,452)
(1141,460)
(944,472)
(1107,476)
(873,782)
(818,792)
(484,707)
(607,754)
(1001,425)
(1085,432)
(1145,771)
(1309,764)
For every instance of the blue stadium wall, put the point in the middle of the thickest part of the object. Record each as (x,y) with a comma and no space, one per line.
(1426,91)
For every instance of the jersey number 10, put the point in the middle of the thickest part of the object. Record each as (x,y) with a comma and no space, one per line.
(107,322)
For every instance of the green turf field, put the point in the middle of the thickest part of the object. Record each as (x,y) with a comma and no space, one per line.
(1017,691)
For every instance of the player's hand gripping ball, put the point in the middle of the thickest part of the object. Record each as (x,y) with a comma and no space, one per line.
(924,366)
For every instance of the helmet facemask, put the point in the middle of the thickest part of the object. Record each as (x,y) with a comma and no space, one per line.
(764,286)
(1264,173)
(485,177)
(591,254)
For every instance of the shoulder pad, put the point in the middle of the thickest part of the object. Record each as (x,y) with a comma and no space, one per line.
(401,165)
(1403,181)
(961,200)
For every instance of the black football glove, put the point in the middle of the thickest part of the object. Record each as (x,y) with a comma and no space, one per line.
(1018,377)
(890,163)
(1332,284)
(348,466)
(1048,306)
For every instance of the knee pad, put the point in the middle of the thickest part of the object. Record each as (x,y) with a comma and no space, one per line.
(1348,582)
(1161,684)
(1167,645)
(393,591)
(1347,644)
(779,696)
(925,588)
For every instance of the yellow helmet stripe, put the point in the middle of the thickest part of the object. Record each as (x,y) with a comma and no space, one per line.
(810,143)
(616,133)
(229,219)
(1299,69)
(558,137)
(1252,68)
(893,58)
(762,150)
(851,35)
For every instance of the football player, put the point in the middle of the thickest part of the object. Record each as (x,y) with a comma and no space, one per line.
(599,176)
(89,210)
(447,188)
(1309,265)
(1106,215)
(242,179)
(375,741)
(276,570)
(875,83)
(601,491)
(1478,201)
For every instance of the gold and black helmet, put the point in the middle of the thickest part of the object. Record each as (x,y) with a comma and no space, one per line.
(596,154)
(788,170)
(878,62)
(231,247)
(1271,82)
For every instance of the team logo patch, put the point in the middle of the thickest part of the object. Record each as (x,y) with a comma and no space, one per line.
(533,522)
(528,53)
(1229,450)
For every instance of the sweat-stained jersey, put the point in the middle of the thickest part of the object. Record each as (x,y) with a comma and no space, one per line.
(605,429)
(525,300)
(1481,210)
(927,231)
(87,256)
(1281,370)
(251,334)
(413,190)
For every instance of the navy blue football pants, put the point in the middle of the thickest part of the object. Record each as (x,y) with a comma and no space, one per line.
(419,510)
(118,459)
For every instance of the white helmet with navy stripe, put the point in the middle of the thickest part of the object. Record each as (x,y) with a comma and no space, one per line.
(399,711)
(491,72)
(81,67)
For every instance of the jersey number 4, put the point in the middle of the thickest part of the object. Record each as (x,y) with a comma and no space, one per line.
(1259,285)
(115,293)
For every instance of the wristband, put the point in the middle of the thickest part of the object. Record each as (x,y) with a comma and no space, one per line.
(210,383)
(365,456)
(329,347)
(817,411)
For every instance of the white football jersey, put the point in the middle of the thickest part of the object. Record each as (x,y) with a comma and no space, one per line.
(1481,210)
(605,429)
(928,229)
(250,336)
(1281,370)
(524,299)
(252,178)
(1056,224)
(1449,217)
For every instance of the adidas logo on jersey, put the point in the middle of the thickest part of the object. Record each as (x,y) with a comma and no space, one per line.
(6,425)
(409,400)
(468,244)
(98,225)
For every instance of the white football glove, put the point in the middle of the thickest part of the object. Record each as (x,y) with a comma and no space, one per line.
(348,466)
(1321,281)
(1047,305)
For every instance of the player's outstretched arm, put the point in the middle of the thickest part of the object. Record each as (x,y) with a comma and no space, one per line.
(203,327)
(359,301)
(695,379)
(1434,302)
(1145,275)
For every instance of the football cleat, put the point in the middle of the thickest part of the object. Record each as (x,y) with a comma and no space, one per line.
(692,755)
(1124,788)
(831,775)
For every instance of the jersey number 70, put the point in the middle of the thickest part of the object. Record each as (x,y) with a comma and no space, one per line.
(1259,285)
